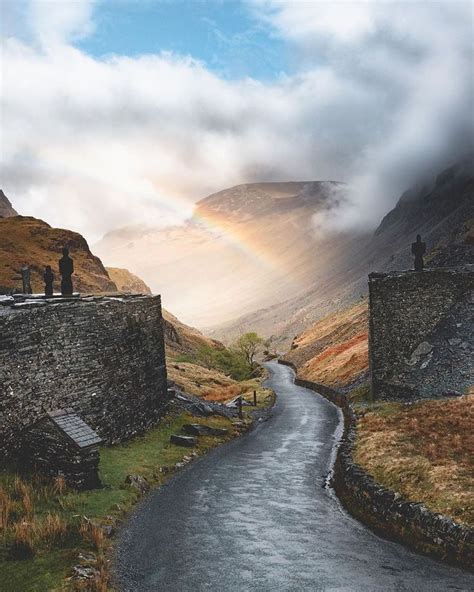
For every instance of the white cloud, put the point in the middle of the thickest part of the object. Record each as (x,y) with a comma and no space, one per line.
(383,91)
(54,22)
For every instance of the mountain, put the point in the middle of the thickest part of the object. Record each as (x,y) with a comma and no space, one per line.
(245,247)
(6,208)
(127,282)
(28,241)
(333,350)
(441,209)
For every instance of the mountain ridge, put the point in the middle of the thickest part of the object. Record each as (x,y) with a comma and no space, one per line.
(442,211)
(246,246)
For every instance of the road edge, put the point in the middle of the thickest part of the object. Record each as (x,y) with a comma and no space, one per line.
(383,510)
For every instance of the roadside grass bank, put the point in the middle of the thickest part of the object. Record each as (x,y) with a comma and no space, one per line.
(49,533)
(424,451)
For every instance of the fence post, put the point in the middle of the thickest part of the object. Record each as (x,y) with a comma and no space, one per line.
(254,398)
(239,406)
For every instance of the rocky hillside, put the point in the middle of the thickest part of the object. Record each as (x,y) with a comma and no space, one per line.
(127,282)
(6,208)
(245,247)
(29,241)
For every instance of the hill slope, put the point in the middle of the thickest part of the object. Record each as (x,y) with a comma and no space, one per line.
(29,241)
(333,351)
(127,282)
(6,208)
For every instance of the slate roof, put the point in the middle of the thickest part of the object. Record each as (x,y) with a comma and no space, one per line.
(77,430)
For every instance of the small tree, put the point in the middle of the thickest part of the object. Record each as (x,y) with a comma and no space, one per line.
(249,345)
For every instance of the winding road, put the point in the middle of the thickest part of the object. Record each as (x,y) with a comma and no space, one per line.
(253,515)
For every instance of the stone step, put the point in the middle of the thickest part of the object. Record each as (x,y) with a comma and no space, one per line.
(179,440)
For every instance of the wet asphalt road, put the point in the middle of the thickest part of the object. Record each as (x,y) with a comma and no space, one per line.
(254,516)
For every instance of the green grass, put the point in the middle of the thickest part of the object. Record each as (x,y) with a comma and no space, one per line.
(361,394)
(144,455)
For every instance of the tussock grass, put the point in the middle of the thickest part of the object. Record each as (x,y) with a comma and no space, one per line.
(43,526)
(424,451)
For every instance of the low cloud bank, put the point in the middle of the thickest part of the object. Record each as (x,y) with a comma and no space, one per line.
(382,93)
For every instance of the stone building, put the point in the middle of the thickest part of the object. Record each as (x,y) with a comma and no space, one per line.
(421,332)
(103,357)
(63,444)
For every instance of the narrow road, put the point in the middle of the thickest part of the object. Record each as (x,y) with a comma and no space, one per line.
(254,516)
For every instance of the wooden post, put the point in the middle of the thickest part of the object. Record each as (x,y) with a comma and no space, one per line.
(239,406)
(254,398)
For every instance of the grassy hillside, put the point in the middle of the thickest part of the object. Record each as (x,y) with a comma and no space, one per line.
(32,242)
(333,351)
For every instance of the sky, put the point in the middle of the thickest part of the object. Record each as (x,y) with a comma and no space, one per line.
(118,112)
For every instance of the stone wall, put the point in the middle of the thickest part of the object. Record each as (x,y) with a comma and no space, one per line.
(103,357)
(420,332)
(385,511)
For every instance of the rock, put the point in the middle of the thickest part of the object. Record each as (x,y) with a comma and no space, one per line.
(196,429)
(452,393)
(188,441)
(423,349)
(138,482)
(87,558)
(84,572)
(426,362)
(454,341)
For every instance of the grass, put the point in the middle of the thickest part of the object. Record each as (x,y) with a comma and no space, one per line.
(424,451)
(51,525)
(361,394)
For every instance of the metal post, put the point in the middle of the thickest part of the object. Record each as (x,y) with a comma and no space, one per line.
(239,406)
(254,398)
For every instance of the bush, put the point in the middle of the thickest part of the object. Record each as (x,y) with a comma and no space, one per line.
(229,361)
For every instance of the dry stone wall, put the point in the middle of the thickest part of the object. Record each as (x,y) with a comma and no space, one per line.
(420,332)
(103,357)
(385,511)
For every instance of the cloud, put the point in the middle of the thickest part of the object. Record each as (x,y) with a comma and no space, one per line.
(54,22)
(415,60)
(381,92)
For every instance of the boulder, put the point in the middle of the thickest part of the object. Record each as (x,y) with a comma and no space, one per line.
(188,441)
(196,429)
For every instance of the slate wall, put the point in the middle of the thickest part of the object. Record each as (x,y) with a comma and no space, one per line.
(420,332)
(104,357)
